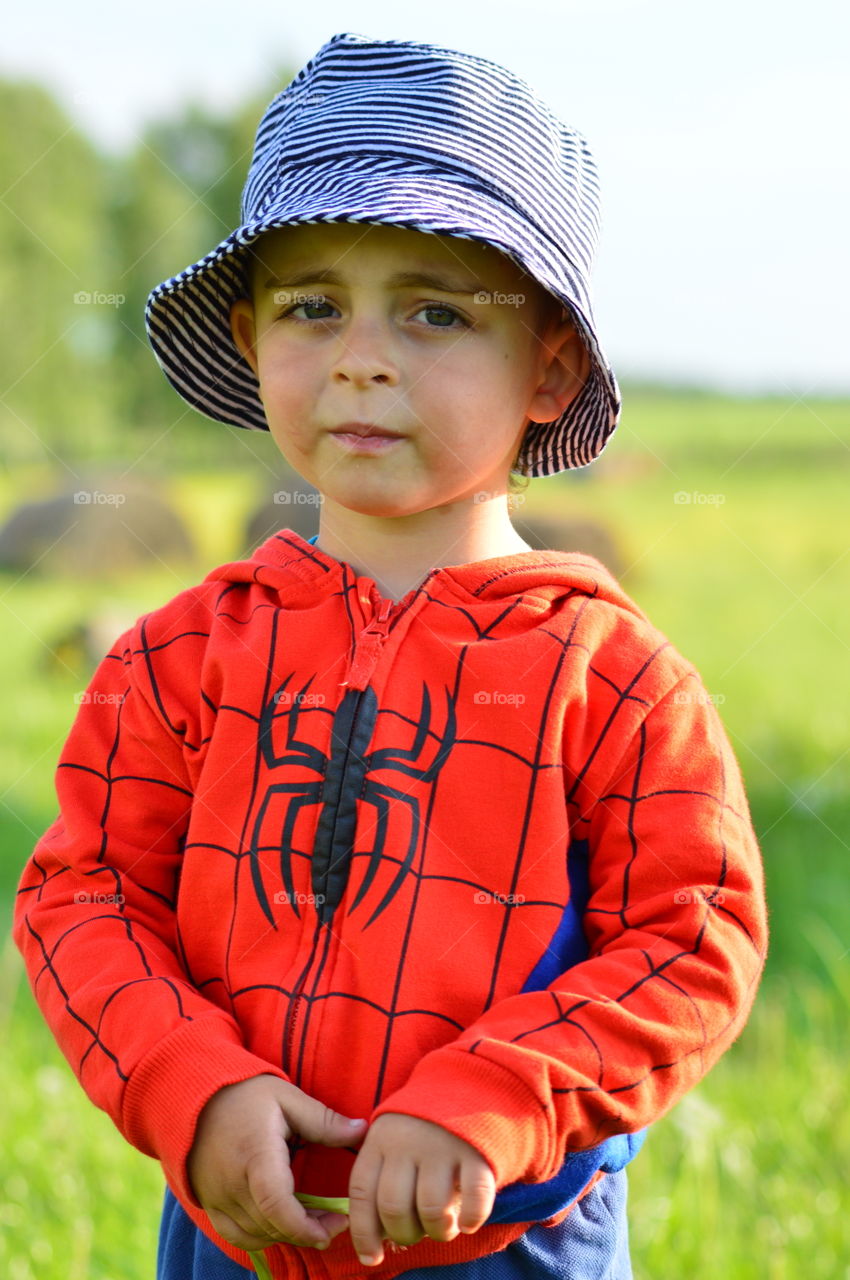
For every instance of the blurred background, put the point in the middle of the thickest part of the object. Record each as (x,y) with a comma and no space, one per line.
(721,503)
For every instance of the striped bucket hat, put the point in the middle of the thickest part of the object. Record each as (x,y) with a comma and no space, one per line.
(412,135)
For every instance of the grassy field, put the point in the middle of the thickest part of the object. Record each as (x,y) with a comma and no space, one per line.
(747,574)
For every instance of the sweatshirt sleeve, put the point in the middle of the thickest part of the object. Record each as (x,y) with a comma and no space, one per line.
(95,919)
(676,926)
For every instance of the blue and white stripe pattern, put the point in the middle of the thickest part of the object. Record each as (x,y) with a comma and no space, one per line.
(413,135)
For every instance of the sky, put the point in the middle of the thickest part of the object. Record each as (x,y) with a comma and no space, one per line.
(719,131)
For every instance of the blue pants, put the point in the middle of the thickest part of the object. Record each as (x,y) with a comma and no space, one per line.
(592,1243)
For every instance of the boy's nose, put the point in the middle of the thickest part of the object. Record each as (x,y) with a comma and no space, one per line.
(365,354)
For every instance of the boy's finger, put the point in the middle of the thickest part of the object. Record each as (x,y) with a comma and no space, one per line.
(334,1223)
(363,1221)
(287,1220)
(318,1123)
(478,1191)
(396,1202)
(270,1202)
(438,1202)
(242,1234)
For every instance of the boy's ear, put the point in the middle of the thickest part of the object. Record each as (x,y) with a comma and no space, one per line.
(566,364)
(244,330)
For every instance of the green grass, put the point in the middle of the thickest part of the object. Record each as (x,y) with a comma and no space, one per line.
(745,1177)
(76,1202)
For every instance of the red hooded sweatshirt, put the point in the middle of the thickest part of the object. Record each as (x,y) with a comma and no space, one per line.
(481,856)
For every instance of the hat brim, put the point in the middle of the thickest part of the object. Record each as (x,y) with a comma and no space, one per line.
(188,316)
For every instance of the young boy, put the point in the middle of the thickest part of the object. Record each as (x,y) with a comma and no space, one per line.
(407,864)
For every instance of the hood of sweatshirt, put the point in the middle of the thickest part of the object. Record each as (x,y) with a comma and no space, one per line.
(286,562)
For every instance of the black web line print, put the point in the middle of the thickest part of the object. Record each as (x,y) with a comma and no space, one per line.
(331,854)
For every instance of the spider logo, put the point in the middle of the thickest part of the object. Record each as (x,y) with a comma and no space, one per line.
(342,777)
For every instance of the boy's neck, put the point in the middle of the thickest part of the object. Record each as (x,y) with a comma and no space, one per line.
(398,553)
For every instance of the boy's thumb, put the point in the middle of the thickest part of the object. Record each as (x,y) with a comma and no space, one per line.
(318,1123)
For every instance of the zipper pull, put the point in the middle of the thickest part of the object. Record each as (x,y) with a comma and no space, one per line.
(367,649)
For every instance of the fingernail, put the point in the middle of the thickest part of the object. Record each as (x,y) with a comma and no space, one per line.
(357,1122)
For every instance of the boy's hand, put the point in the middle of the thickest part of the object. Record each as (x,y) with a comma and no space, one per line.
(239,1163)
(413,1178)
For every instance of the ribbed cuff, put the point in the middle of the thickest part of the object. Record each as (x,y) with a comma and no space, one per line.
(485,1104)
(169,1088)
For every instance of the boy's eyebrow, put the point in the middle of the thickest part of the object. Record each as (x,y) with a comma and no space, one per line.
(401,279)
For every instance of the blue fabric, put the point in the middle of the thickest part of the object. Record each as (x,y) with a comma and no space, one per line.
(568,944)
(531,1202)
(592,1243)
(185,1253)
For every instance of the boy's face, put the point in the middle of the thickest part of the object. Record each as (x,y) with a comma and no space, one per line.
(457,377)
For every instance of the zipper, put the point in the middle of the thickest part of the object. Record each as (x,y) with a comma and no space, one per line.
(286,1064)
(368,648)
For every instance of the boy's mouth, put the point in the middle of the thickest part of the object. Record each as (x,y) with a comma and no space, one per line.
(366,437)
(364,429)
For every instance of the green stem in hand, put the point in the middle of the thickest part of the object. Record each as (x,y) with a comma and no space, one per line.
(260,1265)
(332,1204)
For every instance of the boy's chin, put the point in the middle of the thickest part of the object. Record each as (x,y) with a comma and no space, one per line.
(380,507)
(381,496)
(388,497)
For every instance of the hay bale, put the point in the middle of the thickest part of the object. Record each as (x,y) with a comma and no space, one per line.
(94,530)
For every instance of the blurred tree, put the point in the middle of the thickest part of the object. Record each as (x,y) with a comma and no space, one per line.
(86,236)
(56,381)
(174,197)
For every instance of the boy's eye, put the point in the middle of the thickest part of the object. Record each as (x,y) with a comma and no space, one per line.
(450,312)
(314,305)
(446,314)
